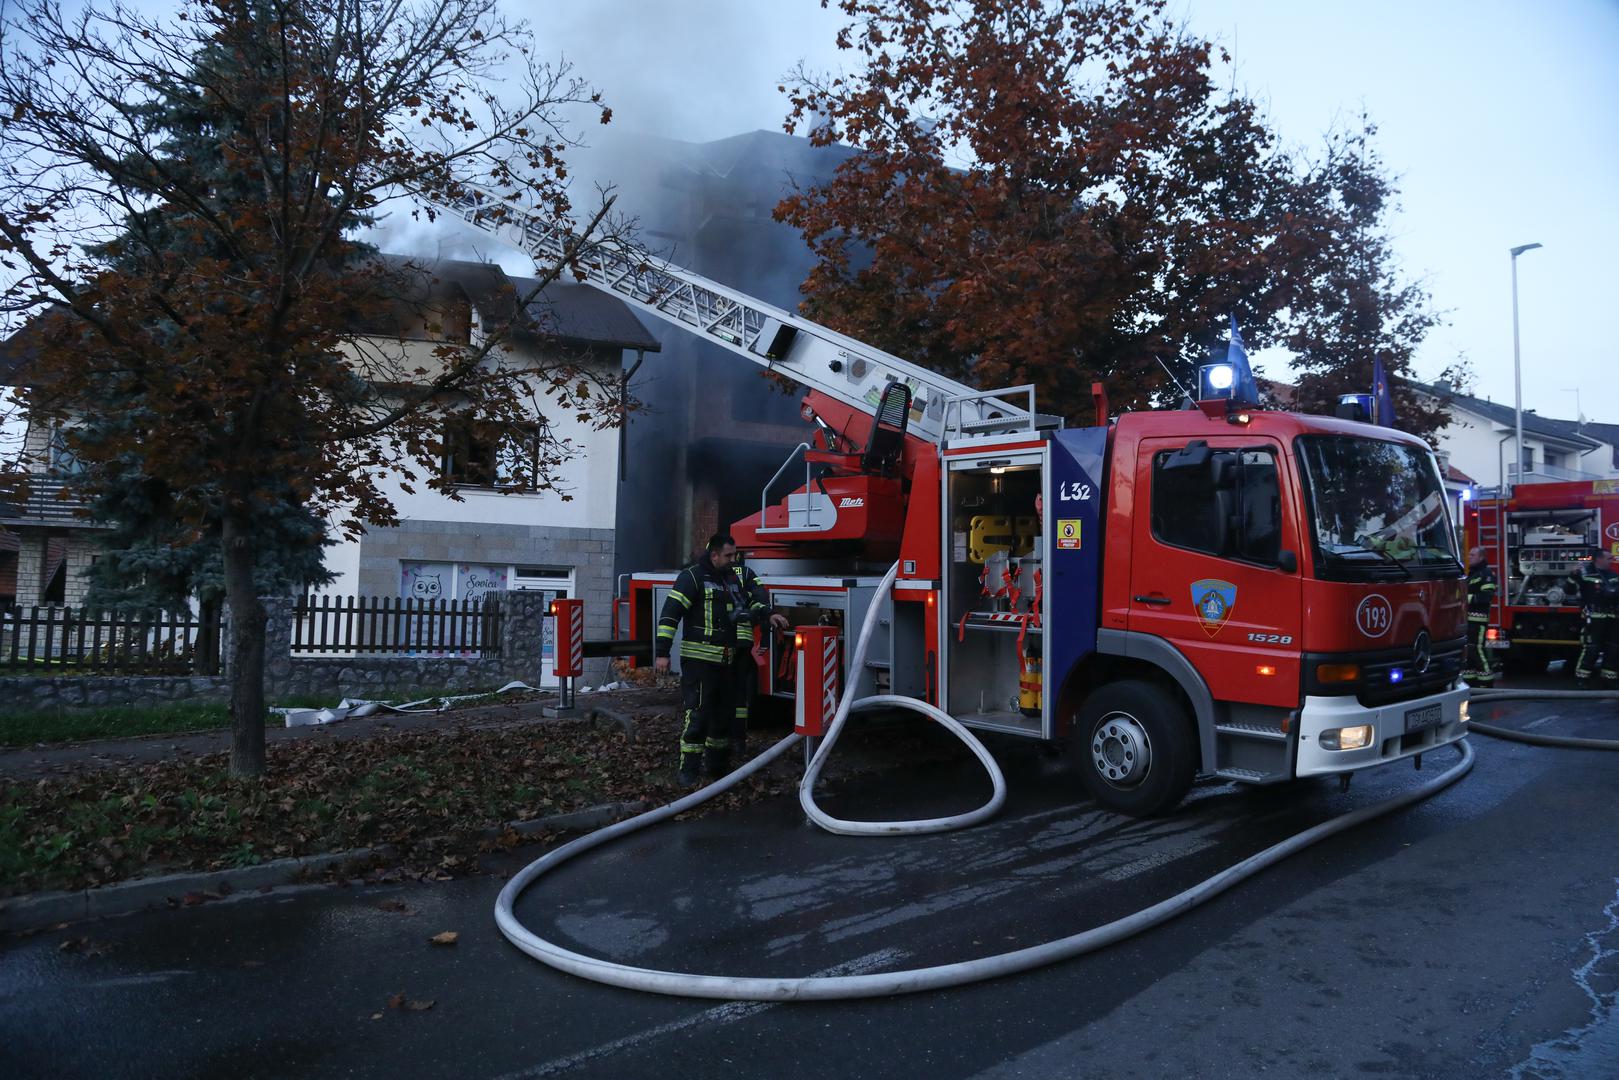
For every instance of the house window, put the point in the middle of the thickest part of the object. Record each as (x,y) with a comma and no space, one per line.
(60,459)
(501,456)
(1529,459)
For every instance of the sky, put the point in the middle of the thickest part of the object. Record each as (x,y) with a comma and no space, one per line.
(1500,120)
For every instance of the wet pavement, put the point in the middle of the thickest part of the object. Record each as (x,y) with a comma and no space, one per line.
(1476,934)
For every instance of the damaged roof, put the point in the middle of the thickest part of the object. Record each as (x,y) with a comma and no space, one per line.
(423,293)
(563,311)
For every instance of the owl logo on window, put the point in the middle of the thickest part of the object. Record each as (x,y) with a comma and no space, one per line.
(426,587)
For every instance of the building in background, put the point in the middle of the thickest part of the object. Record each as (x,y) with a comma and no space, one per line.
(1481,437)
(493,536)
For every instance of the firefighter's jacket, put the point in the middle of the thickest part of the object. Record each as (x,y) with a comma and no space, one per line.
(756,605)
(1597,589)
(1480,592)
(712,605)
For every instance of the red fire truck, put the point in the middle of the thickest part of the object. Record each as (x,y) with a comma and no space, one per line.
(1534,539)
(1224,590)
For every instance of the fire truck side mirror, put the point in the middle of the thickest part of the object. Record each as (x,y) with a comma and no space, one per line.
(1194,455)
(1287,562)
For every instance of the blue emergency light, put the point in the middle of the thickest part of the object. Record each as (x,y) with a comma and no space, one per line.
(1355,407)
(1215,381)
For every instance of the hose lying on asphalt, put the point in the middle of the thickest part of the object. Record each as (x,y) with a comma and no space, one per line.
(1565,742)
(823,988)
(806,795)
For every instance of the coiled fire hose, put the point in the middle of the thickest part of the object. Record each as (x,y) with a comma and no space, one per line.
(1535,738)
(839,987)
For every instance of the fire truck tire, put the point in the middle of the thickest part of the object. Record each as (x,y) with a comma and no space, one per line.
(1135,748)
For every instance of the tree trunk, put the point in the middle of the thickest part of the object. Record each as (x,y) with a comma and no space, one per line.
(247,618)
(206,651)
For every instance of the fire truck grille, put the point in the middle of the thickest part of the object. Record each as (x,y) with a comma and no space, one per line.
(1392,676)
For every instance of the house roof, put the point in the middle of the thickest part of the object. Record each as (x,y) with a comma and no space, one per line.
(586,315)
(564,311)
(1564,431)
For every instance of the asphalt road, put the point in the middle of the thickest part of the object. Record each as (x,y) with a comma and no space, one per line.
(1474,935)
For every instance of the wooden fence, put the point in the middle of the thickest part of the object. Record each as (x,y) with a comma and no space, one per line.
(385,624)
(64,641)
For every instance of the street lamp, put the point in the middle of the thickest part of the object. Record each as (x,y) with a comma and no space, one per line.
(1517,374)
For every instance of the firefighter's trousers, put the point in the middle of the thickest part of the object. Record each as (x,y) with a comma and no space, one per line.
(745,673)
(1599,647)
(707,690)
(1478,668)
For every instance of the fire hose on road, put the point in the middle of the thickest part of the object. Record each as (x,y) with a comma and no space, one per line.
(823,988)
(1533,738)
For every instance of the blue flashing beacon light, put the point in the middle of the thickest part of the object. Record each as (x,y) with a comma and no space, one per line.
(1215,381)
(1355,407)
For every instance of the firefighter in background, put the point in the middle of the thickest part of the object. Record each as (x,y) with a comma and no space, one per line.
(1480,596)
(703,605)
(1597,585)
(746,661)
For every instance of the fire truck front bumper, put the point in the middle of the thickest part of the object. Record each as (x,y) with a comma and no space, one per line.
(1339,734)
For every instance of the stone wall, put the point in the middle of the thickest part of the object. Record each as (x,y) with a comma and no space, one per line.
(286,676)
(29,693)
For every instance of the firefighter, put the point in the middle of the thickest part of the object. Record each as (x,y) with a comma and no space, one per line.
(707,597)
(1480,596)
(745,662)
(1597,585)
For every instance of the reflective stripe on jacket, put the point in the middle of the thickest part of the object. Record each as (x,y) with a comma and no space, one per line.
(703,608)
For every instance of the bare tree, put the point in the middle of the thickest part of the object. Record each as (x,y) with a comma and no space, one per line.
(179,205)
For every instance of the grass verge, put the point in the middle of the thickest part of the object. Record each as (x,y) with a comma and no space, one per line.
(112,722)
(121,721)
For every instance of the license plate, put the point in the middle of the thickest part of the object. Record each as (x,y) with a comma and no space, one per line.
(1426,717)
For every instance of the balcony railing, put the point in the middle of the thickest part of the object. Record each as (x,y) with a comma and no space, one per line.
(49,501)
(1546,474)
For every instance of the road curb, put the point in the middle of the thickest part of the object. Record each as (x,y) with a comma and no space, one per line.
(35,911)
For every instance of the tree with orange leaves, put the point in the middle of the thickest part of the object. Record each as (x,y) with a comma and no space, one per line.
(1051,193)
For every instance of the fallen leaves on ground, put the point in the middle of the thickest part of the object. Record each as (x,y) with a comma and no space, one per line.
(434,798)
(400,1001)
(448,937)
(437,798)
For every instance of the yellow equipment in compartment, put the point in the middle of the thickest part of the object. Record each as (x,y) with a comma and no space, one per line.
(1028,687)
(987,534)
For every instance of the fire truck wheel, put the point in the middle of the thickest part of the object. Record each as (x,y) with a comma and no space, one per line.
(1134,747)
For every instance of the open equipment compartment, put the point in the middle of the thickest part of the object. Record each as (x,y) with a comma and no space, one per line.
(996,548)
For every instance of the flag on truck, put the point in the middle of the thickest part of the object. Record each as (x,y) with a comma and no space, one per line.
(1382,395)
(1243,388)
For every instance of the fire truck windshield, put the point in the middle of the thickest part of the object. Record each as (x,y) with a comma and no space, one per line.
(1377,508)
